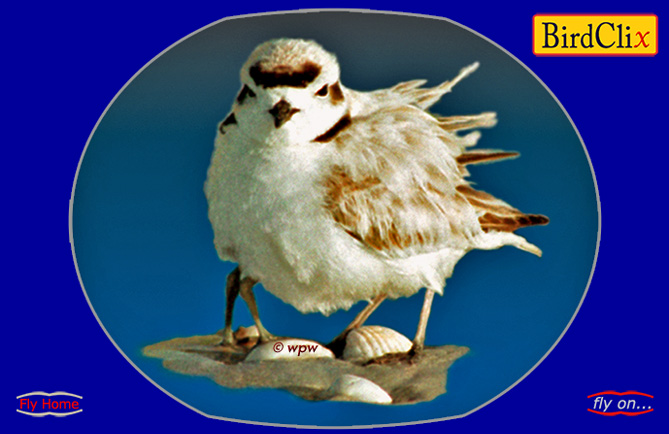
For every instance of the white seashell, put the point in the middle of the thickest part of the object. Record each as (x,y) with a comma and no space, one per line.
(369,342)
(353,388)
(288,349)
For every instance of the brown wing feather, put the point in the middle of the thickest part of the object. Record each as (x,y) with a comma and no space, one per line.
(406,194)
(484,156)
(344,199)
(498,215)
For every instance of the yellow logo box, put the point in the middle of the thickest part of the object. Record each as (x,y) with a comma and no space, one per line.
(594,35)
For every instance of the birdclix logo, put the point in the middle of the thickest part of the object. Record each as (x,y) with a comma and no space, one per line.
(40,404)
(630,403)
(594,35)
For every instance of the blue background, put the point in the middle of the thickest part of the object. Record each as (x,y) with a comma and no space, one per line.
(68,63)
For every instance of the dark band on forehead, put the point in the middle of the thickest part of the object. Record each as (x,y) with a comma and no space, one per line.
(284,75)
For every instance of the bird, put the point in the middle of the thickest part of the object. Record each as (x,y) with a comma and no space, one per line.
(330,196)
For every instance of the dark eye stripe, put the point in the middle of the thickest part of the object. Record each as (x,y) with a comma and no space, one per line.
(246,91)
(323,91)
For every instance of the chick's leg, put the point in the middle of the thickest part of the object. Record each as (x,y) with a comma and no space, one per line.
(246,291)
(419,340)
(360,319)
(231,292)
(337,344)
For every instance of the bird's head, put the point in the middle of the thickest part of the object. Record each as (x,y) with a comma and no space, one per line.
(290,92)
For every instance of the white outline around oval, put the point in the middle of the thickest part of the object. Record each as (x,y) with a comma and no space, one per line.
(361,11)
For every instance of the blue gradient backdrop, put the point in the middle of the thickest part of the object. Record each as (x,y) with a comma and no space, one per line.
(144,245)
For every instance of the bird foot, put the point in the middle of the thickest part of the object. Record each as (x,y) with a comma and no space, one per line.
(228,338)
(266,337)
(416,350)
(337,345)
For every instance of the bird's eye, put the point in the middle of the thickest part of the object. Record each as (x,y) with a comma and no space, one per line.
(323,91)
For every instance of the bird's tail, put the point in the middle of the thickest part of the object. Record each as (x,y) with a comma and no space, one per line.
(528,247)
(495,240)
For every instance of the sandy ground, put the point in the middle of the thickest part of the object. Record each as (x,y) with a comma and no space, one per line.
(406,379)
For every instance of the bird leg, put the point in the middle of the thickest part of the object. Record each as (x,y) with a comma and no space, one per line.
(231,292)
(360,319)
(419,340)
(337,344)
(246,291)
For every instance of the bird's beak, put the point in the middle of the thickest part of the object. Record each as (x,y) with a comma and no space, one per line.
(282,112)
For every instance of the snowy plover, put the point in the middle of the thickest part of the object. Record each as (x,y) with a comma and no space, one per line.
(329,196)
